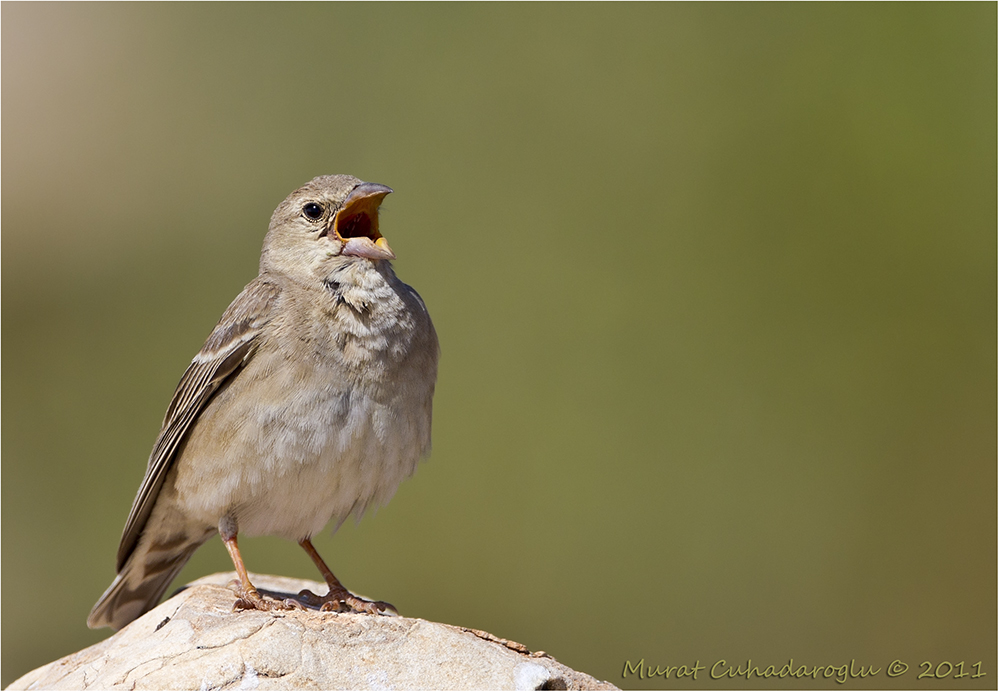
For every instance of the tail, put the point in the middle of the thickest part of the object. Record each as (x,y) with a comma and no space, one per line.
(142,581)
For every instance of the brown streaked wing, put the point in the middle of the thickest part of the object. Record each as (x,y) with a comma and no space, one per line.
(230,345)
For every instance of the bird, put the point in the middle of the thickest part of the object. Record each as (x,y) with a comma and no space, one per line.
(310,401)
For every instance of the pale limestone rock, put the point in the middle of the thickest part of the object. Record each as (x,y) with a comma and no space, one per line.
(194,641)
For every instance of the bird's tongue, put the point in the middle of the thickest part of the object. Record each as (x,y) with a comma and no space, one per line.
(365,247)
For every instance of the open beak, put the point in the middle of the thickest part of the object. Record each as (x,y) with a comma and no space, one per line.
(356,224)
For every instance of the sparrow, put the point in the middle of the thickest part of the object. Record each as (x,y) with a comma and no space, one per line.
(310,401)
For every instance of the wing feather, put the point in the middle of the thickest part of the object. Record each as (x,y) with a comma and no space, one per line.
(229,347)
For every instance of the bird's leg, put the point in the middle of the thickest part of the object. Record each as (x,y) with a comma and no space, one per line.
(247,596)
(338,598)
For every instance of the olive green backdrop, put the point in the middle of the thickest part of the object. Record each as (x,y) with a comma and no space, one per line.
(715,286)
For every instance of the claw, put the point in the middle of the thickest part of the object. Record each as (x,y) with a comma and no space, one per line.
(342,601)
(242,604)
(250,599)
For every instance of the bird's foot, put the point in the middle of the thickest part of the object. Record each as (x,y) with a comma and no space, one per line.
(250,599)
(339,600)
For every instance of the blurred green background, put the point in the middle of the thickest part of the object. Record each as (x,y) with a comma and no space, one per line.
(715,287)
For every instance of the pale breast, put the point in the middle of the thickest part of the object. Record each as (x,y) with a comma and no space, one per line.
(327,418)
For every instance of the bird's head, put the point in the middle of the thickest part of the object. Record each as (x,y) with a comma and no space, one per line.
(331,220)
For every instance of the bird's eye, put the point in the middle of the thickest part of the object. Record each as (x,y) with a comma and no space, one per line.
(313,211)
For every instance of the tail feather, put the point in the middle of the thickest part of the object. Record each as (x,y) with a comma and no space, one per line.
(140,584)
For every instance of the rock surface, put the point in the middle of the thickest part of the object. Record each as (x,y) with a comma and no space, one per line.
(195,641)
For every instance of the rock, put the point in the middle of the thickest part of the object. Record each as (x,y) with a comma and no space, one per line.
(195,641)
